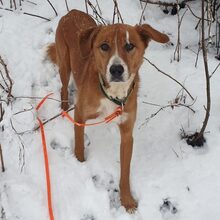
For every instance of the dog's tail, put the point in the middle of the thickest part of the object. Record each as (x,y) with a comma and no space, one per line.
(51,52)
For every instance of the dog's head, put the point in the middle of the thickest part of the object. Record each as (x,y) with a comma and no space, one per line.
(118,52)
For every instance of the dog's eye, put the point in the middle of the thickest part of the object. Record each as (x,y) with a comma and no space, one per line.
(129,47)
(105,47)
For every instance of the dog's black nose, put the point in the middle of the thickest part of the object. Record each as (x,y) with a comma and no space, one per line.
(116,70)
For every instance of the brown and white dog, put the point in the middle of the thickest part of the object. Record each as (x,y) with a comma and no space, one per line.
(104,61)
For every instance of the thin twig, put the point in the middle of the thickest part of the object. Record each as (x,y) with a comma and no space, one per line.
(195,14)
(21,149)
(214,70)
(4,80)
(96,13)
(33,3)
(197,55)
(142,13)
(117,11)
(52,7)
(97,3)
(67,7)
(37,97)
(161,109)
(54,117)
(172,105)
(38,16)
(2,159)
(2,112)
(25,13)
(161,3)
(45,122)
(15,4)
(86,4)
(178,46)
(25,110)
(8,77)
(179,101)
(169,77)
(204,51)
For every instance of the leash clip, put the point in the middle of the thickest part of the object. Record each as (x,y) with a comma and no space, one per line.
(122,106)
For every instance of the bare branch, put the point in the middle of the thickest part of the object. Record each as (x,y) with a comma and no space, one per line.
(172,106)
(195,14)
(197,139)
(2,112)
(161,3)
(2,159)
(38,16)
(178,45)
(25,13)
(179,101)
(204,51)
(37,127)
(54,117)
(169,77)
(67,7)
(97,17)
(21,149)
(52,7)
(86,4)
(9,86)
(117,12)
(38,97)
(142,13)
(214,70)
(15,6)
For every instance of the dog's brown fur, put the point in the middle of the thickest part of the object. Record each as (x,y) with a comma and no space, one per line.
(77,50)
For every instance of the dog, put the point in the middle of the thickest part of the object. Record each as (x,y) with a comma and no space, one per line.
(104,62)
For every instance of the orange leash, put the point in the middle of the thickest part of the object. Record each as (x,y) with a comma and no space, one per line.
(107,119)
(46,161)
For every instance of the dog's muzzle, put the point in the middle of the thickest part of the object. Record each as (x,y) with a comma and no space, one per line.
(116,71)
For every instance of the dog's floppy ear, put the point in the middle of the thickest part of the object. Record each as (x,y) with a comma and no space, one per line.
(147,33)
(86,38)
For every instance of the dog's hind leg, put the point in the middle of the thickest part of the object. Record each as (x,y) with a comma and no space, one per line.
(64,76)
(65,71)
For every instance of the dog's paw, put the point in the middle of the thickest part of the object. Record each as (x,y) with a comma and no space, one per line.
(80,157)
(107,182)
(130,204)
(58,145)
(168,209)
(88,217)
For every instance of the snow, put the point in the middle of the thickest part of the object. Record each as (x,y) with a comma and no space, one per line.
(163,165)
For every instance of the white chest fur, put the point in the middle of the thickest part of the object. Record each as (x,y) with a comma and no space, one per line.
(107,107)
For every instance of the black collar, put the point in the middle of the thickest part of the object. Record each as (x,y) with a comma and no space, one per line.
(116,100)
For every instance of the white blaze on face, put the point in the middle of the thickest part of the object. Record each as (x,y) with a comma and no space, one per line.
(127,37)
(119,89)
(117,60)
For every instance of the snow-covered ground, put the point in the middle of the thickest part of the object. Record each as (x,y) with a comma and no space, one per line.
(169,179)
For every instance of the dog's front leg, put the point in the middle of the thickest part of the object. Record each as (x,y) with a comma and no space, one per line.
(79,137)
(126,147)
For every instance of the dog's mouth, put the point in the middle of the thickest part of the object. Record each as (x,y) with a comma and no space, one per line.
(117,88)
(116,79)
